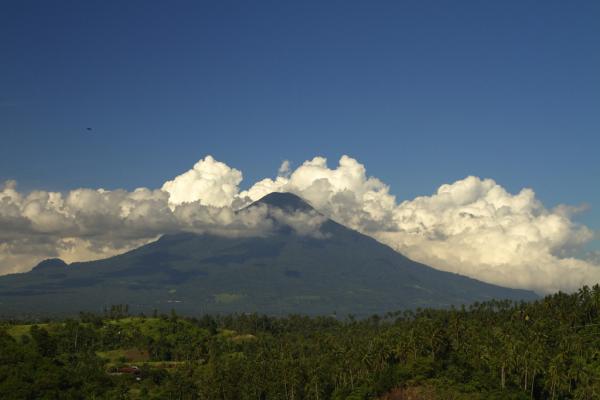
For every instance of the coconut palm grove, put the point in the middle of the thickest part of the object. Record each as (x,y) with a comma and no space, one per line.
(546,349)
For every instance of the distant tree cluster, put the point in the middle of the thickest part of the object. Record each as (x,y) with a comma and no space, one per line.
(549,349)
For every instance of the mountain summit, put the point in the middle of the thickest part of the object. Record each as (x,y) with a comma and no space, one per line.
(285,201)
(341,271)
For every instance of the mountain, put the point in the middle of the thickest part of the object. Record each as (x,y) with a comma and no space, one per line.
(338,271)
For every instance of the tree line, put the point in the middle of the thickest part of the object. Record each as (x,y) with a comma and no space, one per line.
(547,349)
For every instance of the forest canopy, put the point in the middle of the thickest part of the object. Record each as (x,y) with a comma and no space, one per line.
(547,349)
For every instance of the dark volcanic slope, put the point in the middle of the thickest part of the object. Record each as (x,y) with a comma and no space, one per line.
(346,272)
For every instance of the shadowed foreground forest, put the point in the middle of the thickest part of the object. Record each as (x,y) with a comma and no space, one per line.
(548,349)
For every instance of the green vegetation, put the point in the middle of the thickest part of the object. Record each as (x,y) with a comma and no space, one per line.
(548,349)
(16,331)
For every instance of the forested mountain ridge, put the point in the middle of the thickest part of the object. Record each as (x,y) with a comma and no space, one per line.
(337,271)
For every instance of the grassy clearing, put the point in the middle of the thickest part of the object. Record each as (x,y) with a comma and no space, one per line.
(16,331)
(243,338)
(126,355)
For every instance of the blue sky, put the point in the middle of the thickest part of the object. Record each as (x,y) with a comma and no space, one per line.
(423,93)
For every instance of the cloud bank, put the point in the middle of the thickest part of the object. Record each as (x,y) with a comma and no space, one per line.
(472,226)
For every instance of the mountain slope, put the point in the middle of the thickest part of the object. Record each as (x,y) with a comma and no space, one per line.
(340,271)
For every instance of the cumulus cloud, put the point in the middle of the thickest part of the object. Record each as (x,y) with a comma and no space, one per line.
(476,228)
(210,182)
(87,224)
(303,223)
(344,193)
(472,226)
(284,169)
(594,257)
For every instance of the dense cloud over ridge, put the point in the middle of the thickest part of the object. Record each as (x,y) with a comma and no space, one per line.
(472,226)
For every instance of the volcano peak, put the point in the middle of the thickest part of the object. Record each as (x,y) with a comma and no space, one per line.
(286,201)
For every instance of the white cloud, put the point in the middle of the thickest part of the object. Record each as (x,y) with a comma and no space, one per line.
(303,223)
(476,228)
(284,169)
(345,193)
(594,257)
(87,224)
(210,182)
(472,226)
